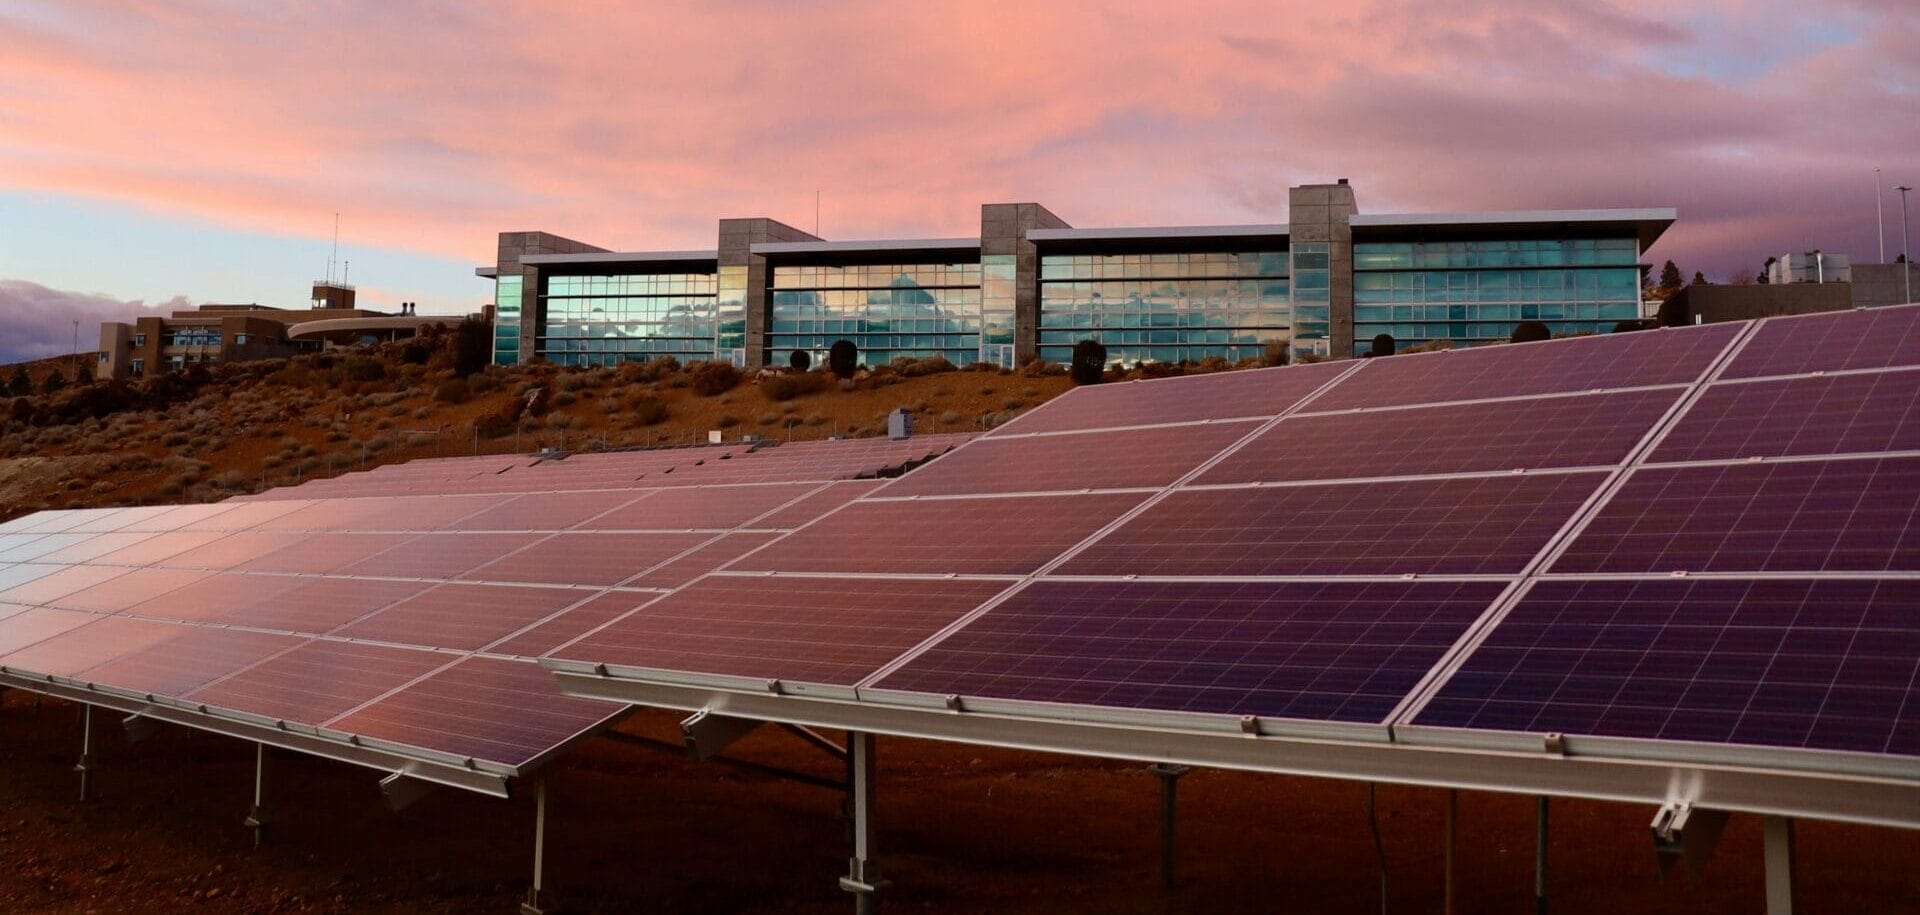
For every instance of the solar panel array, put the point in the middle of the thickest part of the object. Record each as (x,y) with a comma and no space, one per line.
(401,608)
(1696,537)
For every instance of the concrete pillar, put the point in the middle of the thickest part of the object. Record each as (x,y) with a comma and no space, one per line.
(744,303)
(1010,275)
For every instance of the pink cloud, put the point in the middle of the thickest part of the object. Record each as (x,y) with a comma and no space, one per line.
(432,127)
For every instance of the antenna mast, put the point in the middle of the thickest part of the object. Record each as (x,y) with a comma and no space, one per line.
(1879,216)
(334,257)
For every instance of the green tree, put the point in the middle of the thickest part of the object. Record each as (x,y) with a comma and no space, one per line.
(472,347)
(1700,279)
(21,384)
(53,382)
(1670,278)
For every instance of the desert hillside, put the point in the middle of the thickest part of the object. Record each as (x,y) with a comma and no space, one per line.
(219,430)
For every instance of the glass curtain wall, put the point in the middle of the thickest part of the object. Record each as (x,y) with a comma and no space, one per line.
(1477,291)
(606,320)
(888,310)
(1164,307)
(506,320)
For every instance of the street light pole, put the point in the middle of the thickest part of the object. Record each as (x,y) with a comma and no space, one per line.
(1906,251)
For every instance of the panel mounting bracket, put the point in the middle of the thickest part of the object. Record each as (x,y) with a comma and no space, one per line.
(1682,831)
(402,790)
(139,727)
(708,733)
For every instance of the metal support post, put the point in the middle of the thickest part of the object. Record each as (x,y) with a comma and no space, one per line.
(1169,777)
(1452,827)
(863,872)
(1777,833)
(85,766)
(535,904)
(257,817)
(1540,857)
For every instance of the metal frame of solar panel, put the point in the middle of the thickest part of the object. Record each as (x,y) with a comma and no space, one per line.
(165,614)
(1079,653)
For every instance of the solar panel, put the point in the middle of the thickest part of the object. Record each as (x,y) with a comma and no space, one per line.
(1327,651)
(823,500)
(26,627)
(568,625)
(1001,536)
(214,596)
(547,511)
(1259,392)
(505,711)
(1779,662)
(712,508)
(603,560)
(33,546)
(230,550)
(704,559)
(318,680)
(93,547)
(1867,338)
(441,555)
(1121,459)
(158,548)
(318,605)
(119,593)
(94,642)
(54,585)
(1463,525)
(1835,414)
(1547,432)
(817,630)
(467,617)
(1669,356)
(323,553)
(191,657)
(1795,516)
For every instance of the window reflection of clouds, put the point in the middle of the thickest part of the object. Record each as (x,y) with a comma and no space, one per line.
(1165,307)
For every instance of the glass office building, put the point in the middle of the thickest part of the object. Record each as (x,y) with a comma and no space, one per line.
(1164,307)
(1470,292)
(628,317)
(887,310)
(1031,286)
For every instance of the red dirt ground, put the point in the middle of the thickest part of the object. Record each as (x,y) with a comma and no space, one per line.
(962,829)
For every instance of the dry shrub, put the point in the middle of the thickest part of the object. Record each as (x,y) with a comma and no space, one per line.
(797,384)
(709,379)
(647,410)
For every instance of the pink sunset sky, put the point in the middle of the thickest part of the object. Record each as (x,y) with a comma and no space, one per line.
(432,126)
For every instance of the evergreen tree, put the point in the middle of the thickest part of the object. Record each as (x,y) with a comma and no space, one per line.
(1670,278)
(20,385)
(1700,279)
(53,382)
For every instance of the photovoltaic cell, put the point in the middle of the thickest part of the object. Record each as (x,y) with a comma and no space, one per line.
(230,551)
(440,555)
(1005,536)
(94,547)
(1784,663)
(466,617)
(1343,651)
(821,502)
(567,626)
(1668,356)
(33,547)
(678,572)
(241,516)
(1091,460)
(318,681)
(318,605)
(1231,395)
(121,592)
(1803,516)
(158,548)
(218,595)
(1575,431)
(192,657)
(75,650)
(1471,525)
(816,630)
(1866,338)
(319,553)
(12,574)
(1835,414)
(586,559)
(508,712)
(27,627)
(710,508)
(53,586)
(546,511)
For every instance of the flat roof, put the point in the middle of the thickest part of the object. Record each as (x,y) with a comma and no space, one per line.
(620,257)
(1647,223)
(488,272)
(1153,233)
(860,247)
